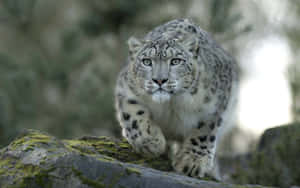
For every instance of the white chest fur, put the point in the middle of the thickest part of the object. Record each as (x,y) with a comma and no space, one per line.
(180,114)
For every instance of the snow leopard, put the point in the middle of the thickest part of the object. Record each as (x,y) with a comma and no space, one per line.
(173,95)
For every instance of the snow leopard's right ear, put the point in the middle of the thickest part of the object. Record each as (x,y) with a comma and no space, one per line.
(134,45)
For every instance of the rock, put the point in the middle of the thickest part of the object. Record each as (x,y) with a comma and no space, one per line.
(38,160)
(276,160)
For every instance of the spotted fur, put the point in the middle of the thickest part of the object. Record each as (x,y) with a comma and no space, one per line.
(178,88)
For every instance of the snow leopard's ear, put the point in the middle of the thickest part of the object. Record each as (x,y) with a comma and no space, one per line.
(134,45)
(191,44)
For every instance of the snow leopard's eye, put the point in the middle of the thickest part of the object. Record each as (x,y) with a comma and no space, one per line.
(176,61)
(147,62)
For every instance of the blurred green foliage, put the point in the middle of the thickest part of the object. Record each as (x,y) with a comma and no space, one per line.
(59,59)
(223,18)
(109,16)
(292,32)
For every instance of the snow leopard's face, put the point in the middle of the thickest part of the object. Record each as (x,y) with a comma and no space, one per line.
(162,69)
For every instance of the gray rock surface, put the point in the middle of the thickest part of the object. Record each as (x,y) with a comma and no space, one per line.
(36,160)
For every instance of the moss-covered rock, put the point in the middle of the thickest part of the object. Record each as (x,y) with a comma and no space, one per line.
(276,161)
(38,160)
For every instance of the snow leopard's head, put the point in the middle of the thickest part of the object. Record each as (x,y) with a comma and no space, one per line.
(164,67)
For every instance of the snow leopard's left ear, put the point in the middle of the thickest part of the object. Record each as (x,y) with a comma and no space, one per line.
(134,45)
(191,44)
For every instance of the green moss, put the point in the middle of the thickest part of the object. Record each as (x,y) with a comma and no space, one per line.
(130,171)
(209,179)
(42,179)
(87,181)
(105,159)
(109,149)
(115,150)
(24,174)
(31,139)
(5,165)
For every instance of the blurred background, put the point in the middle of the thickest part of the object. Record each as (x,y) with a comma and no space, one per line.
(59,60)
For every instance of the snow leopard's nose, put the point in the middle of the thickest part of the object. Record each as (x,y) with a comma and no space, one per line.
(160,81)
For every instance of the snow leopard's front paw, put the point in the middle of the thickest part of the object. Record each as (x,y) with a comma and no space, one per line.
(150,146)
(148,142)
(194,165)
